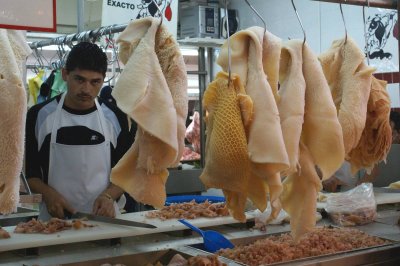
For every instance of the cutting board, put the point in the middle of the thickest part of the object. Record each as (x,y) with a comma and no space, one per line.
(107,231)
(380,198)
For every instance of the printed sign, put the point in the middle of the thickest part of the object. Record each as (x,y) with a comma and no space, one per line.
(121,12)
(34,15)
(382,40)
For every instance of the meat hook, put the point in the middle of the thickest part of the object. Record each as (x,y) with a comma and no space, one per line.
(301,24)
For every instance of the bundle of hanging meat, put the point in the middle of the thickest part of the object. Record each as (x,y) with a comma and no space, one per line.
(13,50)
(376,139)
(349,79)
(362,103)
(229,110)
(152,90)
(313,135)
(245,150)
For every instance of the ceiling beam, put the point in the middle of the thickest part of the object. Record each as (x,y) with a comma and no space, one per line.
(389,4)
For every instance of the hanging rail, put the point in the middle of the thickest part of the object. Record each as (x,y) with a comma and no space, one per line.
(389,4)
(89,35)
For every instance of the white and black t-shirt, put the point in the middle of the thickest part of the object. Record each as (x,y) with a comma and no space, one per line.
(75,128)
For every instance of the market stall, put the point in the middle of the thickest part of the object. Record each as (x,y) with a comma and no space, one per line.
(272,125)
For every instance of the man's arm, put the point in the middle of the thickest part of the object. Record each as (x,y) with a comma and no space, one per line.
(55,202)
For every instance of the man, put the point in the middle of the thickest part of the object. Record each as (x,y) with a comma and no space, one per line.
(73,140)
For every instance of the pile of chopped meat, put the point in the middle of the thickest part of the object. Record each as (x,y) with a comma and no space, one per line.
(52,226)
(4,233)
(321,241)
(190,210)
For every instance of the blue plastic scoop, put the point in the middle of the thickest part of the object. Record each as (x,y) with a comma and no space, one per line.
(213,241)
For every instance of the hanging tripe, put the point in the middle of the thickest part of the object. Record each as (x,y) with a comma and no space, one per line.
(229,111)
(152,90)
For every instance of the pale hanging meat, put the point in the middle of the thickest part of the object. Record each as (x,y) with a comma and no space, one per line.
(349,79)
(299,196)
(292,100)
(321,141)
(13,114)
(152,90)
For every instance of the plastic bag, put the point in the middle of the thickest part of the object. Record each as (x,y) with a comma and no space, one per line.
(354,207)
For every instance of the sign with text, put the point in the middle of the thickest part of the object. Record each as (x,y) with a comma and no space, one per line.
(33,15)
(121,12)
(382,39)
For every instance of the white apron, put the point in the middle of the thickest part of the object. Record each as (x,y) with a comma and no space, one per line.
(78,172)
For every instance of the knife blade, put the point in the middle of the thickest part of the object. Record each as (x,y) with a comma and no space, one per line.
(110,220)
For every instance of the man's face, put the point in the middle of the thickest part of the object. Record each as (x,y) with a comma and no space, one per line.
(83,87)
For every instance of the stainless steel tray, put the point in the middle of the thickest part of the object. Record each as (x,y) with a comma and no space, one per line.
(387,254)
(151,257)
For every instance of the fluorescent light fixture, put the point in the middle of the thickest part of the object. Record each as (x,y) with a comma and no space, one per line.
(189,52)
(193,91)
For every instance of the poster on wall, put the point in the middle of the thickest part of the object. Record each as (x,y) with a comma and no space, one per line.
(33,15)
(121,12)
(382,36)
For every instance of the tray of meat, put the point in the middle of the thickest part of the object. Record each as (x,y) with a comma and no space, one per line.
(181,256)
(190,209)
(320,245)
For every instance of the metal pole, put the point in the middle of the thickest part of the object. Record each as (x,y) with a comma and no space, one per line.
(74,37)
(210,63)
(202,88)
(81,15)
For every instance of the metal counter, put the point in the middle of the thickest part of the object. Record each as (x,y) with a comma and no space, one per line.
(105,249)
(22,215)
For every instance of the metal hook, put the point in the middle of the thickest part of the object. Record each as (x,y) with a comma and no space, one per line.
(344,23)
(301,24)
(365,33)
(159,12)
(258,15)
(228,38)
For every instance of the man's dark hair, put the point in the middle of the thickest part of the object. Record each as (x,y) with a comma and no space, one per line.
(87,56)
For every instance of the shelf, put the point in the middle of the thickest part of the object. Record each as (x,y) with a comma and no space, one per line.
(202,42)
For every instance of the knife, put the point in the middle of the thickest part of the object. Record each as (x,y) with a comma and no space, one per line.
(110,220)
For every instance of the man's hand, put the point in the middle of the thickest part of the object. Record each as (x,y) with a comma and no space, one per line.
(104,206)
(56,204)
